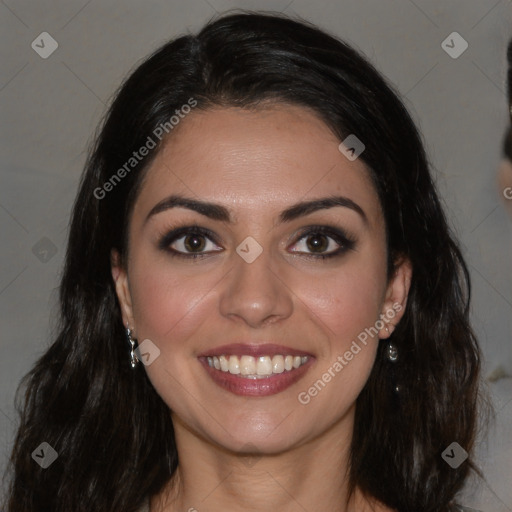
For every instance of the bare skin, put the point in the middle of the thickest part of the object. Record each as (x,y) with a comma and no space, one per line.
(272,452)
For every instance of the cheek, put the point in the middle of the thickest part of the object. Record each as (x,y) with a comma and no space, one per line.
(172,309)
(347,300)
(348,305)
(169,303)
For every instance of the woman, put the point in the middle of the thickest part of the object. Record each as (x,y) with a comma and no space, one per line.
(262,303)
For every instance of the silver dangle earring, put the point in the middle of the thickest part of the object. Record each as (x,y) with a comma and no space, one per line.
(392,356)
(391,352)
(133,358)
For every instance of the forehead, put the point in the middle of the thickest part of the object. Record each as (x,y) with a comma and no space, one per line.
(254,161)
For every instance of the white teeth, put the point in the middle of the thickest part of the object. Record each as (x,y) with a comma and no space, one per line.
(264,365)
(253,368)
(278,364)
(247,365)
(224,363)
(234,365)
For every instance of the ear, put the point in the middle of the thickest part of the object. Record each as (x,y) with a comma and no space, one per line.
(395,300)
(122,288)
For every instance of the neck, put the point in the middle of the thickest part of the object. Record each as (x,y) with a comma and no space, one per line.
(312,476)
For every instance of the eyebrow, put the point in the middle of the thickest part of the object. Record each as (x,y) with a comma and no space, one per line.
(220,213)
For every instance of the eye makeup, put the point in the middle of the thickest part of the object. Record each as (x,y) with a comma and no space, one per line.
(195,233)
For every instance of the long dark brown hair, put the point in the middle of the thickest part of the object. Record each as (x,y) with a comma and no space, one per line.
(507,142)
(113,433)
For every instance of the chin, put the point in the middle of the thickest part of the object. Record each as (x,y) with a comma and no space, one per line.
(263,442)
(268,435)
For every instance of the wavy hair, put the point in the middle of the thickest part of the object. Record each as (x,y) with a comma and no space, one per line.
(507,141)
(113,433)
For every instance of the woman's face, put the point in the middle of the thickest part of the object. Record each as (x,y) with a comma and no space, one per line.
(259,289)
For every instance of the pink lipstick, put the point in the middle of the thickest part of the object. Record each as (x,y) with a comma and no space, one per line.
(255,370)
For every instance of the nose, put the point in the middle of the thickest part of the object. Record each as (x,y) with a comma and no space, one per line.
(255,293)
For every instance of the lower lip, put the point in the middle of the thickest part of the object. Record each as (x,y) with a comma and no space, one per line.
(265,386)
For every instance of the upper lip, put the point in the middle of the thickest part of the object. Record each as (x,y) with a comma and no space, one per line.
(255,350)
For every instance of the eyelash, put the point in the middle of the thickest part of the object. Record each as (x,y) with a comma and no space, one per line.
(340,237)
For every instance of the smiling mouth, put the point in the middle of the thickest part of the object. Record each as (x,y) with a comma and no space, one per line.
(261,367)
(256,375)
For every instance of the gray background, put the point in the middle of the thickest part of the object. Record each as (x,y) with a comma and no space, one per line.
(50,108)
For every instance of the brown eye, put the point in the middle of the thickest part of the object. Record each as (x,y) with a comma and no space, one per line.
(317,243)
(323,242)
(194,242)
(189,242)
